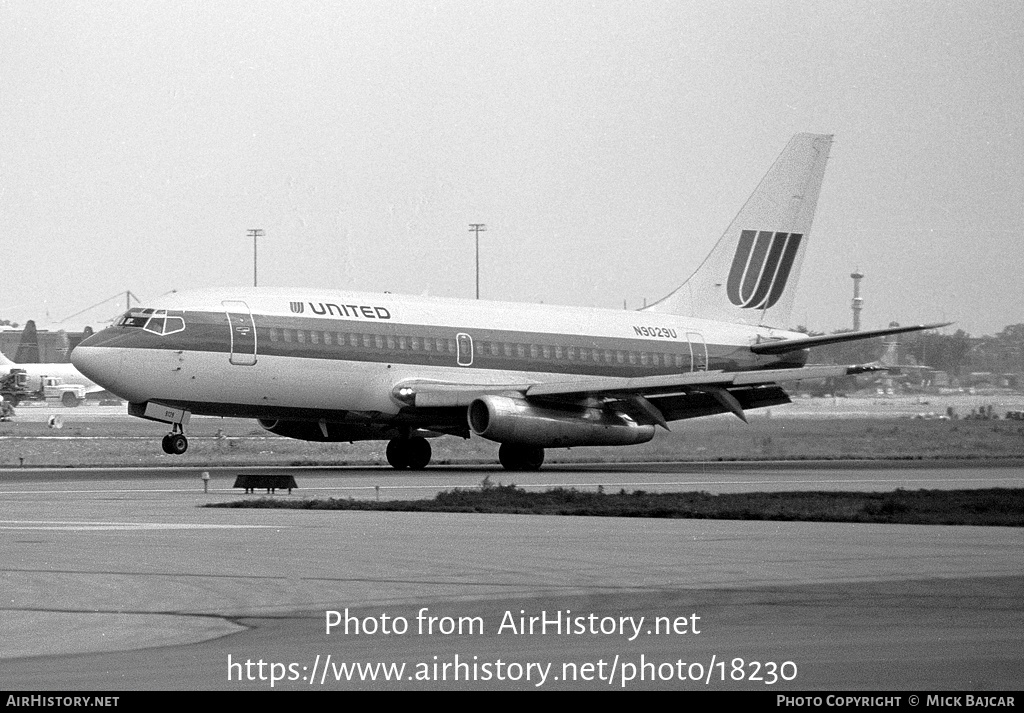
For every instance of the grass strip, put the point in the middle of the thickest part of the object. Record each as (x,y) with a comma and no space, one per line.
(994,506)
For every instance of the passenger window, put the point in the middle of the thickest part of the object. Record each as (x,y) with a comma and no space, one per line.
(379,341)
(533,351)
(300,335)
(288,336)
(391,343)
(314,337)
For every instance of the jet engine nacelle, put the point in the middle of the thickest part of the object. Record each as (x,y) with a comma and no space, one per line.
(509,420)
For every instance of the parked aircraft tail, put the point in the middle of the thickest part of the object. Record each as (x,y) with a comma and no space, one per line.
(28,347)
(751,274)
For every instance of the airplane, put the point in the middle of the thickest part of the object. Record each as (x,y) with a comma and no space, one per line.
(66,371)
(319,365)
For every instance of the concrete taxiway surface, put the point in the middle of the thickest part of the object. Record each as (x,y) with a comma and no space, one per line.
(118,581)
(385,483)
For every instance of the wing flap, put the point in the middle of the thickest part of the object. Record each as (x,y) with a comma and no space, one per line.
(699,403)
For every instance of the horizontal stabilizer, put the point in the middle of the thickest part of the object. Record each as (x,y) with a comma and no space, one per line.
(792,345)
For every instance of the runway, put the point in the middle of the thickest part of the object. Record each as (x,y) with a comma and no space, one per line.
(118,580)
(385,483)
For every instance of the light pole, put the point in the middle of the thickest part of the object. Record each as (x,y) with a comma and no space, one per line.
(477,228)
(255,233)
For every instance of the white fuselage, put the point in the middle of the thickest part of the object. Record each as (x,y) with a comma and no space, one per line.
(258,352)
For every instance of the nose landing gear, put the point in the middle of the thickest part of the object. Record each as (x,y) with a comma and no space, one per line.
(175,442)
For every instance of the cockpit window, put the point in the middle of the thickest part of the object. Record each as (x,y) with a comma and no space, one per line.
(155,321)
(135,318)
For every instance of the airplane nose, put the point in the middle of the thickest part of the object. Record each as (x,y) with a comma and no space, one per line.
(99,364)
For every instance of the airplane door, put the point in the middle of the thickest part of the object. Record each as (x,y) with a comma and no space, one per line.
(242,330)
(698,351)
(464,343)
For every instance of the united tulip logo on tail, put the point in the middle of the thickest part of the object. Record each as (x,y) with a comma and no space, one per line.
(761,267)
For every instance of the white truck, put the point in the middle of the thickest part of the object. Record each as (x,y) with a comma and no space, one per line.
(17,386)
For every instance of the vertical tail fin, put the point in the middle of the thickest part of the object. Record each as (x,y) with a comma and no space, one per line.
(751,274)
(28,347)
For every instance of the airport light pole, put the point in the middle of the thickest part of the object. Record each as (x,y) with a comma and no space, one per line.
(255,233)
(477,228)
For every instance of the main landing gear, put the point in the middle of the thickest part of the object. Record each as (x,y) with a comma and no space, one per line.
(517,457)
(175,442)
(412,453)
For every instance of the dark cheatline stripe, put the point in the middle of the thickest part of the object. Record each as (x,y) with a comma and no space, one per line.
(756,266)
(764,284)
(209,332)
(739,266)
(788,258)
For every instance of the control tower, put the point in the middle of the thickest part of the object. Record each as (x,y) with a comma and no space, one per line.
(858,303)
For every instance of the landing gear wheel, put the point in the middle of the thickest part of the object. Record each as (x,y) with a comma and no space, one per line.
(398,454)
(179,444)
(412,453)
(175,443)
(419,453)
(516,457)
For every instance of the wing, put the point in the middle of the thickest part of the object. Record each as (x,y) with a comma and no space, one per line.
(648,399)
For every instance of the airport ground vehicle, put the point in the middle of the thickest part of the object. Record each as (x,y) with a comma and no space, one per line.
(18,386)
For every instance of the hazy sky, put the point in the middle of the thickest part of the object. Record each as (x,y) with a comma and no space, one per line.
(606,146)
